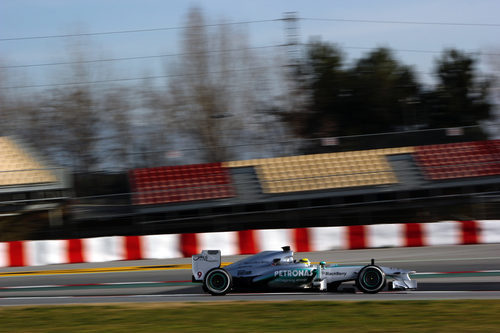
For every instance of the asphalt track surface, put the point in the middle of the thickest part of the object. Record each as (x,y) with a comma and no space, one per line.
(444,272)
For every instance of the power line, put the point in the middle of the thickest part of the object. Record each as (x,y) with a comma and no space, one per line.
(139,57)
(154,77)
(219,51)
(135,78)
(397,50)
(116,32)
(419,51)
(478,52)
(182,75)
(461,24)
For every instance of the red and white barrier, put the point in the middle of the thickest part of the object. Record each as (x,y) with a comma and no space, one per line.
(101,249)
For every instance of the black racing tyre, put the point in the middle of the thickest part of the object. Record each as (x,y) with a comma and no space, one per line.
(371,279)
(218,282)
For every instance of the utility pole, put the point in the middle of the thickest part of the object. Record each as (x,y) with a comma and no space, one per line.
(296,97)
(292,38)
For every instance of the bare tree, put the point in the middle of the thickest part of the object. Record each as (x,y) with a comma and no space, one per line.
(5,105)
(216,99)
(116,133)
(155,124)
(217,89)
(93,123)
(18,115)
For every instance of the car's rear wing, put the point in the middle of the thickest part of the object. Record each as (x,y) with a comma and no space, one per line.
(203,262)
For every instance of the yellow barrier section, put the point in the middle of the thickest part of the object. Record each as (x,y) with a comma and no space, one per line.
(18,168)
(324,171)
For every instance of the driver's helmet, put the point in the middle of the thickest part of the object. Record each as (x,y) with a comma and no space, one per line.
(305,261)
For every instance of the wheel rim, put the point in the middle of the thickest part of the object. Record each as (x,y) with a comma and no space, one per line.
(218,281)
(371,278)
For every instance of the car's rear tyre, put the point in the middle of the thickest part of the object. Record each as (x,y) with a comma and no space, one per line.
(218,282)
(371,279)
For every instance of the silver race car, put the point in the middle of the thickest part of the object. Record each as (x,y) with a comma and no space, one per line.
(271,270)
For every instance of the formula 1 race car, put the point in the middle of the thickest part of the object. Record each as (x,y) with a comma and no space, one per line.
(271,270)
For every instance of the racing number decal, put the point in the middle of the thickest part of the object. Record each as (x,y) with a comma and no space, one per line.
(199,274)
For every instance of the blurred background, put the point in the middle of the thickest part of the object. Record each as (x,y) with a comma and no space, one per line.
(160,117)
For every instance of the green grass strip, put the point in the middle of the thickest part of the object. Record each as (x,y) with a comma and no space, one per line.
(367,316)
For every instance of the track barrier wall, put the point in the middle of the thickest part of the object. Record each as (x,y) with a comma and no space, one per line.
(102,249)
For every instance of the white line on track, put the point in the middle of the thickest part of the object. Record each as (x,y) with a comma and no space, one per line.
(421,260)
(242,294)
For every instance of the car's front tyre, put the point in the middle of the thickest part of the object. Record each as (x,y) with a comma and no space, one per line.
(371,279)
(218,282)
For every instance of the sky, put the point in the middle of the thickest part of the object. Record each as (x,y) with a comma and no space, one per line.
(32,18)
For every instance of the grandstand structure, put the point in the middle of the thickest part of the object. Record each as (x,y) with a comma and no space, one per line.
(404,184)
(30,183)
(171,184)
(372,186)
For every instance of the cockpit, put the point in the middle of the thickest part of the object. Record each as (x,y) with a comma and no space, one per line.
(284,260)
